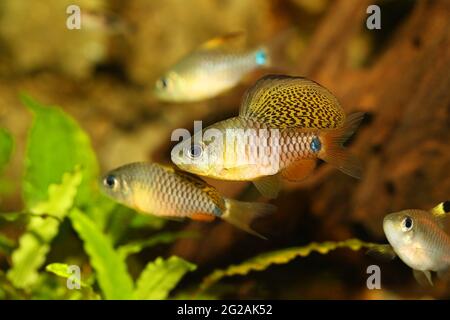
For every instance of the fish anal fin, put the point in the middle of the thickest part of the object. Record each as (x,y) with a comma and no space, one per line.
(232,40)
(201,216)
(423,277)
(299,170)
(269,186)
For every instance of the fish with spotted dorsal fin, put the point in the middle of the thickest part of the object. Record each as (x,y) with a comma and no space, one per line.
(285,124)
(163,191)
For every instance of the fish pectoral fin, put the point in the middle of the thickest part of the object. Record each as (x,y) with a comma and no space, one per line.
(423,277)
(229,41)
(202,216)
(299,170)
(269,186)
(382,251)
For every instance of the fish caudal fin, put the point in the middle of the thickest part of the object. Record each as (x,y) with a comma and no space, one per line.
(241,214)
(334,152)
(269,186)
(273,52)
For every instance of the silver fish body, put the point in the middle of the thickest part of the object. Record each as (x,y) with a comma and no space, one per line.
(418,239)
(213,68)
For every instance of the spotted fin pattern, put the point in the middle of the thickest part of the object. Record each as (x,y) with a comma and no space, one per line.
(292,102)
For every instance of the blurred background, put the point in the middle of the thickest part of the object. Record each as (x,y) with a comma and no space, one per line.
(102,75)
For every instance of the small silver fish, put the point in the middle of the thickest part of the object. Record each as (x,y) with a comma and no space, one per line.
(419,239)
(214,67)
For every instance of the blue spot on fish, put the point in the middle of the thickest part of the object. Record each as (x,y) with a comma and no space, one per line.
(315,144)
(217,211)
(261,57)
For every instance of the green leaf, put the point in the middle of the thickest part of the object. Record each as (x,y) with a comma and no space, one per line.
(34,244)
(62,270)
(160,238)
(160,277)
(6,244)
(265,260)
(110,268)
(147,221)
(6,147)
(56,144)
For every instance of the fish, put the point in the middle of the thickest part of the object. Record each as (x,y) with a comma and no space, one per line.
(211,69)
(420,239)
(284,125)
(164,191)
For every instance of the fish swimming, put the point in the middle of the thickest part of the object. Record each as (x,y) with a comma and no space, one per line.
(420,239)
(166,192)
(285,124)
(213,68)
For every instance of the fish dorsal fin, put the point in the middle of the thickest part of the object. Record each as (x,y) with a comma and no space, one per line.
(292,102)
(382,251)
(299,170)
(442,210)
(199,183)
(441,213)
(226,42)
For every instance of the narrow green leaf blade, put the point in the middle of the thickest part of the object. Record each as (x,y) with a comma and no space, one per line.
(110,268)
(34,244)
(263,261)
(160,277)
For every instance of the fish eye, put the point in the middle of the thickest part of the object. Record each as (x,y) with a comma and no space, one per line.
(315,144)
(110,181)
(195,151)
(162,83)
(407,224)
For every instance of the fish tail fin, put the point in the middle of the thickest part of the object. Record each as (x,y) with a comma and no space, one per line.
(242,214)
(271,54)
(334,152)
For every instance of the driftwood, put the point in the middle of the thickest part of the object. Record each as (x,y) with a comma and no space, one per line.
(403,144)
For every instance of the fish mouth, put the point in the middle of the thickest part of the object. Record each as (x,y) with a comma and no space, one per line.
(391,232)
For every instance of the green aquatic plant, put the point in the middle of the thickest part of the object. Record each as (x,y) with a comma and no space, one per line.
(263,261)
(59,184)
